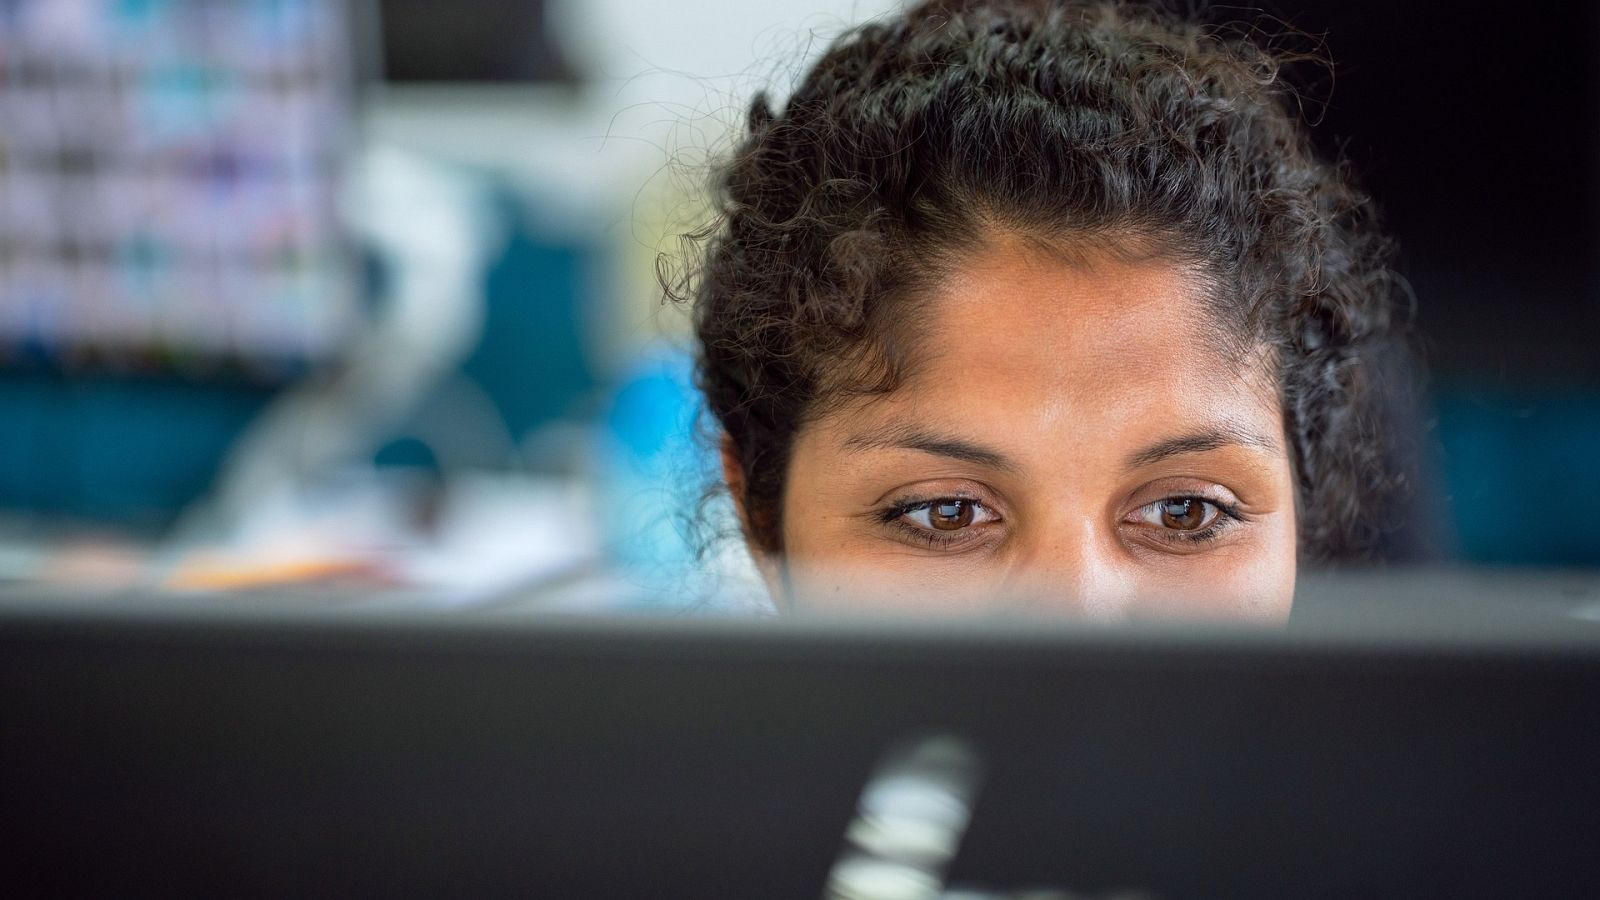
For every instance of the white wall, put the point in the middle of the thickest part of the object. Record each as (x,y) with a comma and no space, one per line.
(701,53)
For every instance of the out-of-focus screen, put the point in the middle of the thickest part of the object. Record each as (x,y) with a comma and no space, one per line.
(168,182)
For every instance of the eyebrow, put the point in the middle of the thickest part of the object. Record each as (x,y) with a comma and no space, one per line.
(910,437)
(1213,438)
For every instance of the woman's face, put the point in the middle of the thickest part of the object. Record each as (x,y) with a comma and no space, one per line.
(1074,436)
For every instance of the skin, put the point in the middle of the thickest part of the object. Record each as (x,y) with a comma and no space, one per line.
(1083,426)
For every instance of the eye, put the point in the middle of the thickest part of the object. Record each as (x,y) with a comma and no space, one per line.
(947,514)
(1185,514)
(941,523)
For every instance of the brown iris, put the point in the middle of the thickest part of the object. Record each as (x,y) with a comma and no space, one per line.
(1183,514)
(950,515)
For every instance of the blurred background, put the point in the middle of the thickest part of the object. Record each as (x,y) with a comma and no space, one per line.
(345,293)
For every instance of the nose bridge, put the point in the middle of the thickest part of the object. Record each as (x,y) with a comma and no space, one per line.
(1076,564)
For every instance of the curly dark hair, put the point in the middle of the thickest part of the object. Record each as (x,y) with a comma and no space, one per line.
(1067,122)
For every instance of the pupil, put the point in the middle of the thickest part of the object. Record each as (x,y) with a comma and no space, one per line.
(950,514)
(1183,515)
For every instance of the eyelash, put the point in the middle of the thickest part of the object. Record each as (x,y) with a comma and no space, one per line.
(1228,516)
(894,516)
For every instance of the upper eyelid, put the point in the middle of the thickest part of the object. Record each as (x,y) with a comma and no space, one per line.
(1224,508)
(939,487)
(924,504)
(1218,502)
(911,500)
(898,510)
(1198,489)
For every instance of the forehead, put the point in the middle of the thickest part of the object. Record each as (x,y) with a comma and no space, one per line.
(1026,339)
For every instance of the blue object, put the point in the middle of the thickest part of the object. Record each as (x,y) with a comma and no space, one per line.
(654,473)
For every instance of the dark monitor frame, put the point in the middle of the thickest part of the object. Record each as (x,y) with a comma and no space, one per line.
(270,753)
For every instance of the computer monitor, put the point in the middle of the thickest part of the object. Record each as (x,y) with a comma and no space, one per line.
(210,750)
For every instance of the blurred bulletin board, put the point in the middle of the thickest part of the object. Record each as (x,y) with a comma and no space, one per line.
(168,181)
